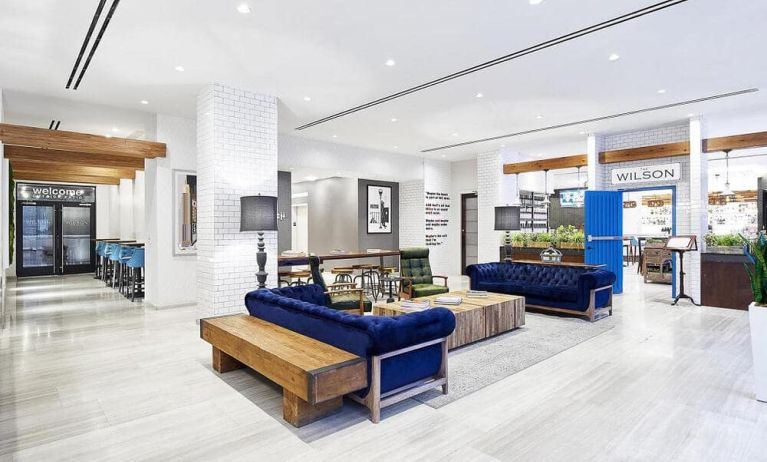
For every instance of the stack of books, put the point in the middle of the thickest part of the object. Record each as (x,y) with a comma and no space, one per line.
(476,293)
(293,253)
(410,305)
(448,300)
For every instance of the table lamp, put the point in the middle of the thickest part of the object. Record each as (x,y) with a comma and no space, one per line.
(507,219)
(259,213)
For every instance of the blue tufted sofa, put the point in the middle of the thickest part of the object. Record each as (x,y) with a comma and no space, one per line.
(566,289)
(405,354)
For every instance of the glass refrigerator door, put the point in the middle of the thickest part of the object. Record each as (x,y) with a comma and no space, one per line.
(37,239)
(76,238)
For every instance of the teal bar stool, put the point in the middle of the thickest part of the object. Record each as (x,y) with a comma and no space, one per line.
(108,269)
(135,267)
(126,252)
(114,261)
(99,252)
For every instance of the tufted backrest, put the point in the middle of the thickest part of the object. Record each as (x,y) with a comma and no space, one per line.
(527,274)
(414,263)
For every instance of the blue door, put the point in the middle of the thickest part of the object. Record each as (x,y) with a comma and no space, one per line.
(604,232)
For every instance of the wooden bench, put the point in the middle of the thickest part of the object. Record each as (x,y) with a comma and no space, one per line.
(314,376)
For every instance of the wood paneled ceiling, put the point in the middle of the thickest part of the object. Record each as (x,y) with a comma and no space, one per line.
(51,155)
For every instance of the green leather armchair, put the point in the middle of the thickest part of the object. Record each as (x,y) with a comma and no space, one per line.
(415,271)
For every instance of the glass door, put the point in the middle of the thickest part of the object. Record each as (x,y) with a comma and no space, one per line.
(36,241)
(76,232)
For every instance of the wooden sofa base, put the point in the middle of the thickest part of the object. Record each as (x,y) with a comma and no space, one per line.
(592,313)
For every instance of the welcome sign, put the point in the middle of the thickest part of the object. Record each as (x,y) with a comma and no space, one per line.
(647,174)
(55,192)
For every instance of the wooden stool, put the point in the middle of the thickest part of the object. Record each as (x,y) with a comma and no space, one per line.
(343,274)
(286,277)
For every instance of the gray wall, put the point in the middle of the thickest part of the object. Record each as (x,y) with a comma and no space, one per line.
(378,241)
(284,193)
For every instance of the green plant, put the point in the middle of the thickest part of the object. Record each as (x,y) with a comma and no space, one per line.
(723,240)
(756,251)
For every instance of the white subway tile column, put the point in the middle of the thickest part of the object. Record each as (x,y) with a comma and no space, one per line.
(236,156)
(489,173)
(698,208)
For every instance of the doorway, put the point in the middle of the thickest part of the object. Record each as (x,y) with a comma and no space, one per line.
(56,229)
(469,231)
(300,229)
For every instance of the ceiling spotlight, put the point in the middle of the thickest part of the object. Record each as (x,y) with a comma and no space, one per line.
(179,68)
(390,62)
(539,117)
(455,134)
(396,147)
(307,98)
(614,57)
(536,2)
(479,95)
(443,156)
(335,136)
(143,101)
(115,129)
(311,178)
(243,8)
(393,119)
(581,133)
(503,145)
(661,91)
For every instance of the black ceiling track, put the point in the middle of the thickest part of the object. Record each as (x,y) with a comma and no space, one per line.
(596,119)
(96,42)
(511,56)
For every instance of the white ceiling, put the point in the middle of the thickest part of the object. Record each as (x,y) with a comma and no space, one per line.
(334,51)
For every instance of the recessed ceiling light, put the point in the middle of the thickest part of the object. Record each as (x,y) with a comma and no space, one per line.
(179,68)
(335,136)
(143,101)
(691,114)
(536,2)
(338,173)
(455,134)
(539,117)
(503,145)
(393,119)
(396,147)
(661,91)
(115,129)
(614,57)
(581,133)
(479,95)
(390,62)
(108,135)
(307,98)
(310,178)
(243,8)
(443,156)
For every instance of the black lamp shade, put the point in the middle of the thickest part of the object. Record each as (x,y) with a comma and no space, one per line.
(258,213)
(507,218)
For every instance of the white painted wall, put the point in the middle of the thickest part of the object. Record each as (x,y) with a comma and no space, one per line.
(126,209)
(170,279)
(139,219)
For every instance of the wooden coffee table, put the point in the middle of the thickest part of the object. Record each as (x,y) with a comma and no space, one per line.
(475,318)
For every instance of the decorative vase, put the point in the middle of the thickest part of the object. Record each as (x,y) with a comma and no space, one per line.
(758,321)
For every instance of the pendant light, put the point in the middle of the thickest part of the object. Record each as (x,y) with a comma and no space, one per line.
(727,190)
(518,200)
(546,200)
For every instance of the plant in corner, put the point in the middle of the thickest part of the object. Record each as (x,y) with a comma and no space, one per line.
(756,251)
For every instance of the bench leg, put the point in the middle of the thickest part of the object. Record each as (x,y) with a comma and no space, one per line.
(222,362)
(298,412)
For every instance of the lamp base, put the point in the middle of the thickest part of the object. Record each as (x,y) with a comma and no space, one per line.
(261,260)
(507,247)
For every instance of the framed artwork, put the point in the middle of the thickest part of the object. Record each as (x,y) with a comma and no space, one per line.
(379,209)
(184,212)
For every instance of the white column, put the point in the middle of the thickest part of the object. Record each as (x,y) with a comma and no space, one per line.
(698,210)
(114,211)
(139,220)
(593,145)
(126,209)
(236,156)
(489,173)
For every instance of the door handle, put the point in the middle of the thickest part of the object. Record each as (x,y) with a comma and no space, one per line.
(591,238)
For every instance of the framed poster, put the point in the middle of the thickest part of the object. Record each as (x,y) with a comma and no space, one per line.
(184,212)
(379,209)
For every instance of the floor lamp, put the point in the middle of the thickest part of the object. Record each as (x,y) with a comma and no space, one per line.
(259,213)
(507,219)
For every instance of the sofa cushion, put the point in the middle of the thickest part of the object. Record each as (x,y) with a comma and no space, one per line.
(424,290)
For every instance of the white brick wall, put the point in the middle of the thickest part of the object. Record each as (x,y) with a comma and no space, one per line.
(437,179)
(236,156)
(660,135)
(489,172)
(411,217)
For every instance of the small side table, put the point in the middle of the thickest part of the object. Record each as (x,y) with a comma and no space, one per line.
(391,281)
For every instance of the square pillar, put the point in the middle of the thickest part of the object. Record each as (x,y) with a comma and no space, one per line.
(698,208)
(489,176)
(594,169)
(236,156)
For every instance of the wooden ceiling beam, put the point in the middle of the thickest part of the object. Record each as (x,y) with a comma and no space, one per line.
(723,143)
(71,158)
(42,167)
(681,148)
(42,138)
(579,160)
(63,177)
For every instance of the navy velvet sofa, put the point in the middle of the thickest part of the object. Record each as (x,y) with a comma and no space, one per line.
(566,289)
(406,354)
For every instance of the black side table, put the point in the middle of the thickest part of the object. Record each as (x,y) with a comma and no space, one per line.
(392,281)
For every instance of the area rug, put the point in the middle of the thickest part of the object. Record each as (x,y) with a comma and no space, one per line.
(476,366)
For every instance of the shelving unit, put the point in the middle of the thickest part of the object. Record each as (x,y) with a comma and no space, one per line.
(533,214)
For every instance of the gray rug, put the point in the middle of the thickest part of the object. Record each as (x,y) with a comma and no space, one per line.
(476,366)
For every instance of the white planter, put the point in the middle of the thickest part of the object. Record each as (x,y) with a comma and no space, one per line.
(758,321)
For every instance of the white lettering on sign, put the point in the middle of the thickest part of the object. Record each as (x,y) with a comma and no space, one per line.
(648,174)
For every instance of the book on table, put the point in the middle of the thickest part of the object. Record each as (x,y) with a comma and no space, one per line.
(448,300)
(410,305)
(476,293)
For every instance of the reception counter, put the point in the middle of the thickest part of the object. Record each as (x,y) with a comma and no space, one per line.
(724,281)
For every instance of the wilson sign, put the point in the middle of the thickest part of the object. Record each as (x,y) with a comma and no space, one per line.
(649,174)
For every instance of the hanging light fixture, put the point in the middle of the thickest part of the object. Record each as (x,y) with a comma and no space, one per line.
(518,200)
(546,200)
(727,190)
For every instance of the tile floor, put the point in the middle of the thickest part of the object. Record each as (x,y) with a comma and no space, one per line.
(87,375)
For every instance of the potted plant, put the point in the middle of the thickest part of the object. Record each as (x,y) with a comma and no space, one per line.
(756,251)
(723,243)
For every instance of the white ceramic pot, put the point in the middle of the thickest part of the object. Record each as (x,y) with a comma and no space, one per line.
(758,321)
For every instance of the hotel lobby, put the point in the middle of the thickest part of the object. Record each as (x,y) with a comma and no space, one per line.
(239,230)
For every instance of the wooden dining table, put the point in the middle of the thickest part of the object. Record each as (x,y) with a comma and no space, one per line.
(284,260)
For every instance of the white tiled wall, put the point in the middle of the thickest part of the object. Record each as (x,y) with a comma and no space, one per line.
(437,179)
(236,156)
(489,172)
(411,218)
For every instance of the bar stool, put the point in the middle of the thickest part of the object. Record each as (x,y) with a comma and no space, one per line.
(343,274)
(287,278)
(386,272)
(368,278)
(110,262)
(135,265)
(126,252)
(98,251)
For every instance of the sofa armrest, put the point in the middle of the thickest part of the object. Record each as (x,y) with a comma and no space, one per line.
(413,329)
